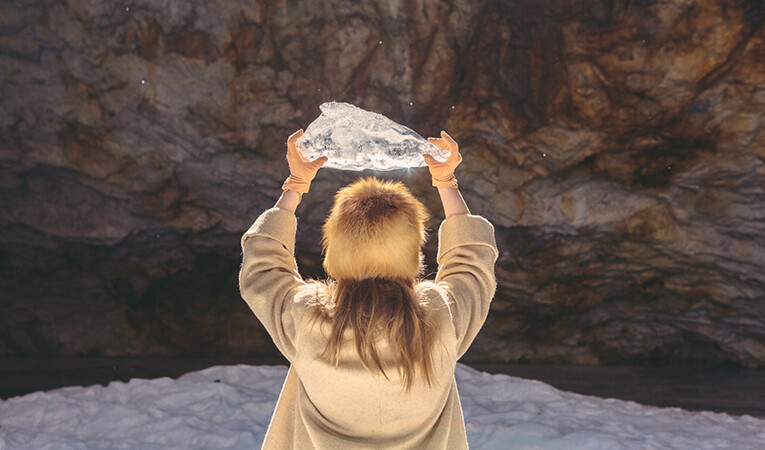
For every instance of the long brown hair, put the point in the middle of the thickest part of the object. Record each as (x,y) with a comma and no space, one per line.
(375,308)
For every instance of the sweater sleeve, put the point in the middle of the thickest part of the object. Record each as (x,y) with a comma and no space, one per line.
(467,252)
(269,279)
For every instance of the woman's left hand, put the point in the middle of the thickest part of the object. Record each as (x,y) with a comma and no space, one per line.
(302,171)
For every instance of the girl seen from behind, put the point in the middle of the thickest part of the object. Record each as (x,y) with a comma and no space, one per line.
(372,349)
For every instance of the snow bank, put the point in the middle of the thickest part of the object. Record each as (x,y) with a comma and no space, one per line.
(230,407)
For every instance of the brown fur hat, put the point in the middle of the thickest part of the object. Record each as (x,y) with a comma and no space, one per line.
(375,229)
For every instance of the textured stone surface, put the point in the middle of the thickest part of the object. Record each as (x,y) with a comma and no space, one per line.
(618,146)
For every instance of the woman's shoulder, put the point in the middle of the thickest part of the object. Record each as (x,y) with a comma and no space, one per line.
(431,295)
(316,293)
(312,293)
(436,301)
(310,296)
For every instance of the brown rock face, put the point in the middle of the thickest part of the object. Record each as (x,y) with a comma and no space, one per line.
(617,146)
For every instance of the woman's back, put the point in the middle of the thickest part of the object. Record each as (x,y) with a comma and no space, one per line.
(355,401)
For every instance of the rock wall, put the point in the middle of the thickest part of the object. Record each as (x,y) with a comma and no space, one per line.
(618,147)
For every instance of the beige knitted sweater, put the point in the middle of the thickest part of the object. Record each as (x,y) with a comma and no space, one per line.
(347,407)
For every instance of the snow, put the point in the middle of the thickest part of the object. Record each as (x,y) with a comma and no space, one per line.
(356,139)
(230,407)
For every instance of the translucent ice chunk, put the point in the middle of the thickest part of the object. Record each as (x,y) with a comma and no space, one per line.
(355,139)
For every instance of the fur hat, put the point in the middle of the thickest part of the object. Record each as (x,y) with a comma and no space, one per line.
(375,229)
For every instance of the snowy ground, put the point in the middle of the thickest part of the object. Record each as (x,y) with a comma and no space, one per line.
(230,406)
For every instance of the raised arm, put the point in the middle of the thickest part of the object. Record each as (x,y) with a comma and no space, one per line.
(452,201)
(269,279)
(466,250)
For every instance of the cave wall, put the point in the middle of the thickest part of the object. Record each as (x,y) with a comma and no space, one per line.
(618,147)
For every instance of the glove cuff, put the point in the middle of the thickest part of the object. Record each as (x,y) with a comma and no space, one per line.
(293,183)
(450,182)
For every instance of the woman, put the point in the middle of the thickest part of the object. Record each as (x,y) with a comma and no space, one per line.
(372,350)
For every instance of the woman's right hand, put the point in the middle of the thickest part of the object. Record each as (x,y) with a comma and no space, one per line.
(442,173)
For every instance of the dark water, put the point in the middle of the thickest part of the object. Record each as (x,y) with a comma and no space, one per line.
(721,389)
(700,388)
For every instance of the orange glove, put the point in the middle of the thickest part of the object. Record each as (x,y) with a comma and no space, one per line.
(443,172)
(302,171)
